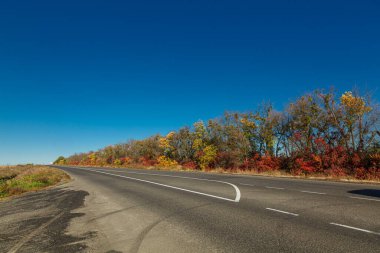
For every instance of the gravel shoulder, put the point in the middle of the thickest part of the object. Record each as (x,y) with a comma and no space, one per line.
(37,221)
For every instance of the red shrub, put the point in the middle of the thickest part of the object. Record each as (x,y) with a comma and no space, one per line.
(264,163)
(147,162)
(245,164)
(302,166)
(360,173)
(190,165)
(368,174)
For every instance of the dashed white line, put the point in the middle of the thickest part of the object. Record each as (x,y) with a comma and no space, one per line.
(280,211)
(247,184)
(359,229)
(277,188)
(321,193)
(365,198)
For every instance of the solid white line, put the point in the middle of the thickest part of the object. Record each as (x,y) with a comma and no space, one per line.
(294,214)
(359,229)
(321,193)
(237,199)
(278,188)
(247,184)
(238,194)
(365,198)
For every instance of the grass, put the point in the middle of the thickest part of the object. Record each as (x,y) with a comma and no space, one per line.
(15,180)
(253,172)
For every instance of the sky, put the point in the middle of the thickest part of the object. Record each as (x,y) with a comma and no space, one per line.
(76,76)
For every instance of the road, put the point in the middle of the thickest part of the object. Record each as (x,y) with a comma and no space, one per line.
(160,211)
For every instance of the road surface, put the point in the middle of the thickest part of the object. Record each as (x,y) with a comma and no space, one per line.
(160,211)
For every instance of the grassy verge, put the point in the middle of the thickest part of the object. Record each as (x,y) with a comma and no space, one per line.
(275,173)
(23,178)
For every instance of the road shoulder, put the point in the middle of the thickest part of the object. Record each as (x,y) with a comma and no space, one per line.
(37,221)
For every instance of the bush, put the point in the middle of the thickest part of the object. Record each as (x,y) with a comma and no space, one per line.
(166,161)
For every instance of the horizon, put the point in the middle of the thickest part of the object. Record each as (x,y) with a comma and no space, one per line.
(77,77)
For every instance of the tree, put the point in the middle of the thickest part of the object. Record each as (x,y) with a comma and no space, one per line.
(60,160)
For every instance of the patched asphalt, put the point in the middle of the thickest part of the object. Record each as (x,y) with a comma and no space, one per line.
(28,223)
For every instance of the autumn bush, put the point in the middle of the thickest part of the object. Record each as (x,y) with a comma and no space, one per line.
(319,133)
(166,161)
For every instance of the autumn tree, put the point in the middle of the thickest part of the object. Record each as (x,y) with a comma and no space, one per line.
(60,160)
(317,133)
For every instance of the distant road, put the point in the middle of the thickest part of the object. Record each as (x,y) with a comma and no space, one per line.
(161,211)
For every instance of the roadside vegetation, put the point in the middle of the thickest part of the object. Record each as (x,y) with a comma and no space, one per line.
(23,178)
(318,135)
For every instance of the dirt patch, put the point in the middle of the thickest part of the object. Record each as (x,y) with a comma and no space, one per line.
(37,222)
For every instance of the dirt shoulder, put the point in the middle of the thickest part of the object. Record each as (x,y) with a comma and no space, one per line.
(37,221)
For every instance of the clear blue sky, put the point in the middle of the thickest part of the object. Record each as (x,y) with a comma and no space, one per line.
(78,75)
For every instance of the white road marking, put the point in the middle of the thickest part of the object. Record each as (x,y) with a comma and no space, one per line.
(365,198)
(247,184)
(280,211)
(359,229)
(238,194)
(237,198)
(277,188)
(321,193)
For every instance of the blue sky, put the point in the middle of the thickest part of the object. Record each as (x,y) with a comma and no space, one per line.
(78,75)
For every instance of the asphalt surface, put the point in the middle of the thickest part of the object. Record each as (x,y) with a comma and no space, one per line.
(124,210)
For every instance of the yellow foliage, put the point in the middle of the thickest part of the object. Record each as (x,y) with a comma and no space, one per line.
(117,162)
(353,104)
(198,144)
(166,161)
(248,123)
(209,156)
(92,158)
(164,142)
(170,135)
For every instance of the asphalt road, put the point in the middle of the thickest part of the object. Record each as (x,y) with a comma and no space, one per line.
(159,211)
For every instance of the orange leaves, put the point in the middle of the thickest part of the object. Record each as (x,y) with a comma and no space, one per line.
(302,166)
(146,161)
(263,163)
(316,134)
(126,160)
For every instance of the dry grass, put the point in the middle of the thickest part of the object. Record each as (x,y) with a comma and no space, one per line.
(274,173)
(23,178)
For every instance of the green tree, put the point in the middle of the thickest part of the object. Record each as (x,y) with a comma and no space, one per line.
(60,160)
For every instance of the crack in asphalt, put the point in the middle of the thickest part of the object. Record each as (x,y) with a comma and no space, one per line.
(140,238)
(115,212)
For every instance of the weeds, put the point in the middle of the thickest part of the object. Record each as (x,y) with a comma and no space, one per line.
(19,179)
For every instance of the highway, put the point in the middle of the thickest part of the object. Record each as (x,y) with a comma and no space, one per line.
(165,211)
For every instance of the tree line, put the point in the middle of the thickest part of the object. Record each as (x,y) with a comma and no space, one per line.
(319,133)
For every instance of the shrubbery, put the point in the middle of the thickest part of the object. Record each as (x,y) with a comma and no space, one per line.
(316,134)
